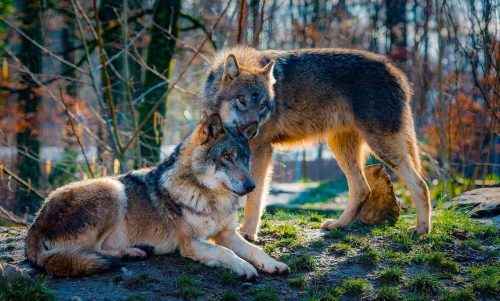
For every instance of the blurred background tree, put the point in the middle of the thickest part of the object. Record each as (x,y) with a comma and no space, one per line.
(93,88)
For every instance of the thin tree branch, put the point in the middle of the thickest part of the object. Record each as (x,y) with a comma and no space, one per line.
(157,104)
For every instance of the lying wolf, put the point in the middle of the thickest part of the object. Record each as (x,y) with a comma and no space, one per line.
(192,197)
(352,99)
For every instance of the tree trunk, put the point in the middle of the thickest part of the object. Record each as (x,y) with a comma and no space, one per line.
(396,24)
(160,53)
(28,106)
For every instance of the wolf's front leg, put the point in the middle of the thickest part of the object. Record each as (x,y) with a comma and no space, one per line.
(215,255)
(248,251)
(261,168)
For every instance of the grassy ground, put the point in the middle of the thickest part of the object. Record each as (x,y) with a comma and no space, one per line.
(459,260)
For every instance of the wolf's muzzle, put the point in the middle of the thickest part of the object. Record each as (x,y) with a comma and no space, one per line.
(249,186)
(250,129)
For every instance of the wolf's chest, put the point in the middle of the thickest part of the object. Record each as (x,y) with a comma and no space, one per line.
(206,226)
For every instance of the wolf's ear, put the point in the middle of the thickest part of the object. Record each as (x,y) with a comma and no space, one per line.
(267,70)
(231,67)
(211,128)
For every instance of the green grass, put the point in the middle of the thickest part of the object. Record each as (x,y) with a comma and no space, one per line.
(187,287)
(389,293)
(486,279)
(437,259)
(355,286)
(228,276)
(139,282)
(395,257)
(266,293)
(137,298)
(26,290)
(297,282)
(460,294)
(335,234)
(341,248)
(282,231)
(117,279)
(229,296)
(424,284)
(391,275)
(303,263)
(369,256)
(354,241)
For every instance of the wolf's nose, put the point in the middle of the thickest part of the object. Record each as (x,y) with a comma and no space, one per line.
(249,186)
(249,129)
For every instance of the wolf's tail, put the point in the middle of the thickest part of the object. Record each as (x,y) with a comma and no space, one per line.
(68,262)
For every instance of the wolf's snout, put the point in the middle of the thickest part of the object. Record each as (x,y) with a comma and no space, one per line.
(249,129)
(249,186)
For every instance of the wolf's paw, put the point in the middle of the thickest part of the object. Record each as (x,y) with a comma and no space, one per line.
(331,224)
(133,254)
(248,235)
(420,230)
(244,270)
(275,267)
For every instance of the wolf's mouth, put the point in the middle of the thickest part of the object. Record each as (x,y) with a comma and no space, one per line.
(233,191)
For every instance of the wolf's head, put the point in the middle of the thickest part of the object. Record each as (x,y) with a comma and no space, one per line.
(243,96)
(220,157)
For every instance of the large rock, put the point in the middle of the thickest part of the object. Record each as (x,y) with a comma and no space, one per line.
(482,202)
(382,204)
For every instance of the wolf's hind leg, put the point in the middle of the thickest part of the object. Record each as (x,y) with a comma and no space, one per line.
(399,152)
(261,169)
(347,146)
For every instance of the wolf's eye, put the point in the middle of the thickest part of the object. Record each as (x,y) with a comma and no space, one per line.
(241,99)
(227,156)
(263,106)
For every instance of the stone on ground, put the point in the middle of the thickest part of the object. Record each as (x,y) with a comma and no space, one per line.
(382,204)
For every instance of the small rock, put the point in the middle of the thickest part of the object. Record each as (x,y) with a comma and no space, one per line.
(482,202)
(8,272)
(382,204)
(7,258)
(126,271)
(246,284)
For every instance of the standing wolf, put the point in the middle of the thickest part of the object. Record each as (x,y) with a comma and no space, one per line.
(352,99)
(193,196)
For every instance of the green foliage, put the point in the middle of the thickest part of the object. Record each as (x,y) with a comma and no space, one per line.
(355,286)
(354,240)
(282,231)
(187,287)
(335,234)
(394,257)
(303,262)
(69,164)
(486,279)
(369,256)
(391,275)
(424,284)
(266,293)
(26,290)
(438,260)
(228,276)
(298,282)
(229,296)
(389,293)
(341,248)
(460,294)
